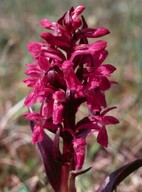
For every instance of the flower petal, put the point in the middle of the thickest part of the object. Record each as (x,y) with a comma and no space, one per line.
(79,148)
(96,100)
(107,120)
(102,137)
(47,24)
(78,10)
(30,99)
(37,135)
(101,32)
(34,48)
(56,40)
(34,116)
(72,81)
(57,113)
(106,69)
(59,96)
(47,109)
(30,82)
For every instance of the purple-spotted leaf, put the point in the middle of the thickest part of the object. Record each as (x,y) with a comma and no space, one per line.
(116,177)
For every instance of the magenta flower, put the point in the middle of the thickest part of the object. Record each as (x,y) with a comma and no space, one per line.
(67,71)
(96,123)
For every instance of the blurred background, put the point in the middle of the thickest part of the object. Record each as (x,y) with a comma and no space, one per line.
(20,166)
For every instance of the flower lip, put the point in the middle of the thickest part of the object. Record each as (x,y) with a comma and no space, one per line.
(79,145)
(34,48)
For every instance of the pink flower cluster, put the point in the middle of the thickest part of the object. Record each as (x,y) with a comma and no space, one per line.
(67,71)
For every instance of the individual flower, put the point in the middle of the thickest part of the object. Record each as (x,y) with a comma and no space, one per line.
(96,123)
